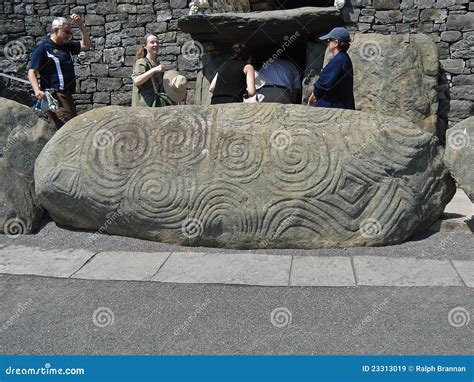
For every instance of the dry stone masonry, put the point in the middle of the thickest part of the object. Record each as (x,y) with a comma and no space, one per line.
(116,26)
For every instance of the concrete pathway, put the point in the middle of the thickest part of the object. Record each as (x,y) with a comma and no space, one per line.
(354,267)
(63,293)
(237,268)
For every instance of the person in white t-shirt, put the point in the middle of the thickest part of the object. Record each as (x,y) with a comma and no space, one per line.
(282,81)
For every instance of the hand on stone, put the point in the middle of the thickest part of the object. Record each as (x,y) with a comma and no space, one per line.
(312,100)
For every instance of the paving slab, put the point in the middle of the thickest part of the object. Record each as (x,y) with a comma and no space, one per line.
(321,271)
(466,271)
(115,265)
(384,271)
(212,268)
(458,215)
(35,261)
(460,204)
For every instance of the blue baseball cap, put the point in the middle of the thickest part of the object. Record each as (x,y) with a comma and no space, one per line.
(338,33)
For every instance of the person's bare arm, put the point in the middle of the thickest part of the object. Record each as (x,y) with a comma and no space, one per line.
(86,38)
(250,73)
(212,87)
(312,100)
(144,77)
(33,78)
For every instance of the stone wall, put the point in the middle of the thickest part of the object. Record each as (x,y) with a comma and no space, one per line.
(451,25)
(115,27)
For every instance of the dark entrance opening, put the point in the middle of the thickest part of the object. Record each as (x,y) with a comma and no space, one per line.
(295,53)
(293,4)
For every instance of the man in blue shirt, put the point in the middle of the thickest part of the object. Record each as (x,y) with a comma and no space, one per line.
(53,63)
(335,86)
(282,81)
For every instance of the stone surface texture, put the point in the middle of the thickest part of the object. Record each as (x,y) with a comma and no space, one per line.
(245,176)
(258,28)
(239,268)
(385,271)
(22,137)
(395,78)
(116,28)
(459,154)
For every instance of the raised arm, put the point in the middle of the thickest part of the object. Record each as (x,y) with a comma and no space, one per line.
(85,39)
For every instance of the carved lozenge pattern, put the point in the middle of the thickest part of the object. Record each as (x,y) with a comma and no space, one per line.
(246,176)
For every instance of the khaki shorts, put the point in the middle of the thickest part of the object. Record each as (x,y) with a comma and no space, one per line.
(66,109)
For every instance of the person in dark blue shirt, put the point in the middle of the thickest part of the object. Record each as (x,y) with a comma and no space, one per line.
(52,61)
(335,86)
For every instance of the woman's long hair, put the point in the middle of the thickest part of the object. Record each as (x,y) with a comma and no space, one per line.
(141,51)
(240,52)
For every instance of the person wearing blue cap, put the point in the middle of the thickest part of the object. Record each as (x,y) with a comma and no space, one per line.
(335,86)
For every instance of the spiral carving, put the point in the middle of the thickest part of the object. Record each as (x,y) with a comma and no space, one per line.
(111,148)
(182,137)
(240,156)
(156,193)
(300,166)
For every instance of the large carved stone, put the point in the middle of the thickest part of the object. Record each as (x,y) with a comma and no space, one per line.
(22,137)
(397,76)
(258,29)
(459,154)
(245,176)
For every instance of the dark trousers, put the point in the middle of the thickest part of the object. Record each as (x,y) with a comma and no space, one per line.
(66,110)
(275,94)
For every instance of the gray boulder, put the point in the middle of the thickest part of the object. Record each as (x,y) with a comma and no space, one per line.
(22,137)
(245,176)
(397,78)
(459,154)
